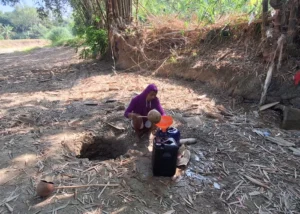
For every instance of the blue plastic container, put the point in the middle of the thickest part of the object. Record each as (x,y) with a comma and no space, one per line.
(170,133)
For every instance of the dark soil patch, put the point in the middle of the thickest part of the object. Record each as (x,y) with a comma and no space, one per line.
(102,149)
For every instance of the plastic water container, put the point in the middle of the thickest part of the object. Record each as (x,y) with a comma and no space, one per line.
(174,133)
(164,156)
(171,132)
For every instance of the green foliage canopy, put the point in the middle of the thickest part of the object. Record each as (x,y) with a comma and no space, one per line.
(25,23)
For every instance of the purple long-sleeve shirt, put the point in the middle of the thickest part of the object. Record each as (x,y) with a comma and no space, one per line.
(139,104)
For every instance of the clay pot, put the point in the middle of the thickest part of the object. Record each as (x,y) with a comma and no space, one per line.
(154,116)
(44,188)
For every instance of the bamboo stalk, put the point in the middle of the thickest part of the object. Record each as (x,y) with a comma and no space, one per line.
(122,9)
(277,23)
(81,14)
(280,56)
(292,27)
(270,71)
(129,8)
(117,10)
(125,8)
(130,11)
(137,10)
(114,8)
(88,185)
(101,12)
(264,17)
(109,14)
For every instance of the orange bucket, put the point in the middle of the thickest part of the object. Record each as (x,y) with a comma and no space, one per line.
(165,122)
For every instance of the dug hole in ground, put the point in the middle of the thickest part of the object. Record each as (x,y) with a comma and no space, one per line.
(60,113)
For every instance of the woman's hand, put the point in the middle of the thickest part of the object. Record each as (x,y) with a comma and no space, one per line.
(133,115)
(136,121)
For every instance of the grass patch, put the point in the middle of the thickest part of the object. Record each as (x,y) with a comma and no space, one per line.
(29,50)
(58,35)
(73,42)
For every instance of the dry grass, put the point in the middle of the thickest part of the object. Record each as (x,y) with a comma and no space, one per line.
(170,22)
(7,46)
(168,33)
(175,23)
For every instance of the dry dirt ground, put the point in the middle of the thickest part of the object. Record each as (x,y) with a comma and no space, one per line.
(54,105)
(9,46)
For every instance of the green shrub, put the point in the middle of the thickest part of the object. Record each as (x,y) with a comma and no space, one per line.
(20,36)
(96,41)
(38,31)
(58,34)
(73,42)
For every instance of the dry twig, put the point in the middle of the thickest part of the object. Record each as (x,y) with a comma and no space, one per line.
(255,181)
(235,189)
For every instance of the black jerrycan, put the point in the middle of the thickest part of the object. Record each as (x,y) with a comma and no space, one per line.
(164,156)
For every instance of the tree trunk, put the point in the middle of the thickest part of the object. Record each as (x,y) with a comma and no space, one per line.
(109,21)
(292,27)
(119,14)
(264,18)
(277,23)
